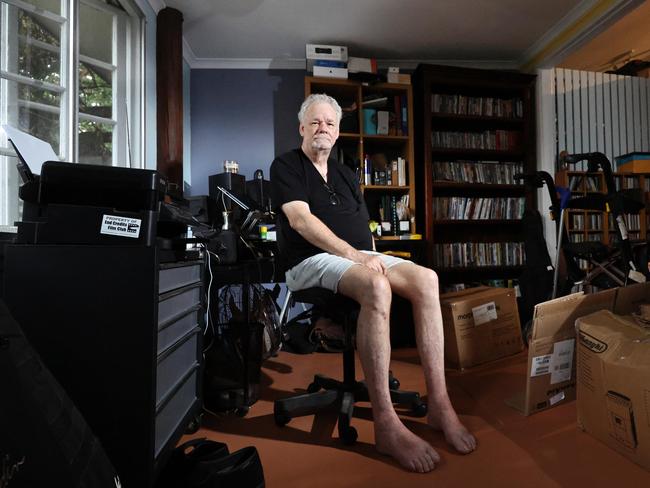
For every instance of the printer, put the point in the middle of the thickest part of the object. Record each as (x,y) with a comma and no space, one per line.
(99,205)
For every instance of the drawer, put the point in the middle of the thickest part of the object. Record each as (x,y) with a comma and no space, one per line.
(178,302)
(171,413)
(175,362)
(174,329)
(177,276)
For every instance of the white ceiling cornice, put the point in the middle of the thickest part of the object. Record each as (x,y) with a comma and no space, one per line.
(300,63)
(581,24)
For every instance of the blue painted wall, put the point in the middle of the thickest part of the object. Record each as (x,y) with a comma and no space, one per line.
(246,115)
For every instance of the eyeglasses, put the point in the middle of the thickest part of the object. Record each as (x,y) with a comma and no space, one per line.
(334,198)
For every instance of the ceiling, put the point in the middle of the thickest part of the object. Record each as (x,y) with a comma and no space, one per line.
(493,33)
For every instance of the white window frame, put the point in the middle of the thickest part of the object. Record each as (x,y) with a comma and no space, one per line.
(127,67)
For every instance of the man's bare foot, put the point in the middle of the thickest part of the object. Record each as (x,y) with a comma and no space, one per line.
(412,452)
(456,434)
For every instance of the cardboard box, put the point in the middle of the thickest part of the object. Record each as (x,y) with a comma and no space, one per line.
(636,162)
(401,78)
(614,383)
(550,374)
(481,324)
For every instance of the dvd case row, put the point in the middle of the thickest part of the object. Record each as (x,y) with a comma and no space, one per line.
(499,140)
(482,106)
(466,254)
(492,172)
(478,208)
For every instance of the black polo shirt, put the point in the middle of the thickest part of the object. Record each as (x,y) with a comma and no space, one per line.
(294,177)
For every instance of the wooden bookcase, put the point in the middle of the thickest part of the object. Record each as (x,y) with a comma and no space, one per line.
(593,225)
(357,144)
(474,130)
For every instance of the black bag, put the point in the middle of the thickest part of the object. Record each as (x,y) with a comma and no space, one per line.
(201,463)
(265,312)
(44,440)
(233,363)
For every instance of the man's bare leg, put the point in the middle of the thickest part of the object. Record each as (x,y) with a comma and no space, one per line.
(420,286)
(372,291)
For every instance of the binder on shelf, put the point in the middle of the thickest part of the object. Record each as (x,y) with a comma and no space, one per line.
(401,171)
(369,121)
(382,122)
(404,115)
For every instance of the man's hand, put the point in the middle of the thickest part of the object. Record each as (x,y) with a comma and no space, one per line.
(373,262)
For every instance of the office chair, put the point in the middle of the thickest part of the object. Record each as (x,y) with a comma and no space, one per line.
(327,393)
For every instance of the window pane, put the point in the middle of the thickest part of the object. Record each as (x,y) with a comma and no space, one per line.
(37,52)
(95,33)
(41,124)
(95,91)
(95,143)
(53,6)
(33,110)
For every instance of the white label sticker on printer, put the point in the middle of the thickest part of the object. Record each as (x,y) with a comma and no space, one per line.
(541,365)
(484,313)
(121,226)
(562,361)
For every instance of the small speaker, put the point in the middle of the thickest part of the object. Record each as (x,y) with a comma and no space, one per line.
(232,182)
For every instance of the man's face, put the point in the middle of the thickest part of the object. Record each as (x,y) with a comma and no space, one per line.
(320,128)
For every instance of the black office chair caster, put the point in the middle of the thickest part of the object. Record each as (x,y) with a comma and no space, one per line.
(281,419)
(393,383)
(313,387)
(242,411)
(194,425)
(348,436)
(419,408)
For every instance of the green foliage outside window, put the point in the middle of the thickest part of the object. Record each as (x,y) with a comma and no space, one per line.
(95,93)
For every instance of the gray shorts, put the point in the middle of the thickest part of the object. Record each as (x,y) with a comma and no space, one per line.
(325,270)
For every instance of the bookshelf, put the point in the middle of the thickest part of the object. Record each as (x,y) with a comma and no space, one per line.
(593,225)
(389,156)
(475,131)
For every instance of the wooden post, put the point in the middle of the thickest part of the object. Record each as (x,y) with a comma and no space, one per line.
(169,94)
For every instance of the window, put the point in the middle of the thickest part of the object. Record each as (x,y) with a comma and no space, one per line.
(70,74)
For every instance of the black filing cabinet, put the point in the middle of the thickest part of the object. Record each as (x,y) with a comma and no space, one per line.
(122,333)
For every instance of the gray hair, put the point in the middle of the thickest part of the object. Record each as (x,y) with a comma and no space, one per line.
(319,98)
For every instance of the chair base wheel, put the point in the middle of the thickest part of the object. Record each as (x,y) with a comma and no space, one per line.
(281,419)
(419,409)
(313,388)
(349,436)
(242,411)
(194,425)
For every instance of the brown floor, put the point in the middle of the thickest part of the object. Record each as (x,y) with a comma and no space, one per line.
(543,450)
